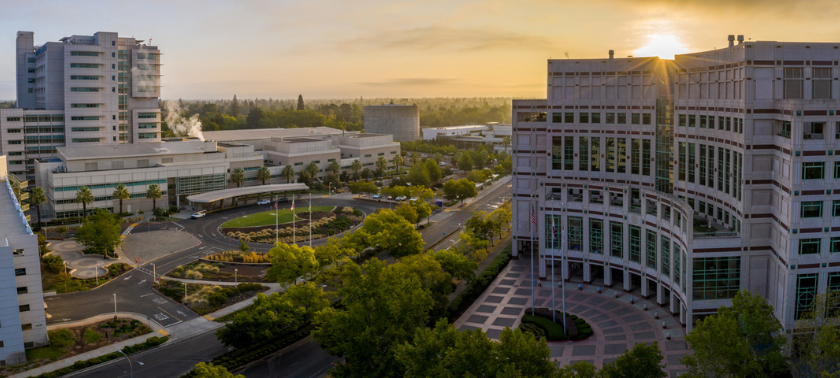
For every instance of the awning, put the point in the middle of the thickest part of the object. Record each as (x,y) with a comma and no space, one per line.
(219,195)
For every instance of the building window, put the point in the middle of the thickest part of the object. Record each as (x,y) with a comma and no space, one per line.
(569,118)
(17,252)
(584,118)
(677,255)
(610,118)
(810,246)
(583,154)
(367,155)
(820,83)
(622,155)
(635,244)
(793,82)
(636,118)
(703,121)
(26,327)
(616,239)
(610,154)
(552,231)
(575,233)
(596,117)
(806,291)
(716,278)
(23,290)
(24,308)
(622,118)
(635,156)
(665,256)
(811,209)
(596,236)
(556,152)
(835,245)
(569,153)
(298,164)
(691,163)
(595,153)
(20,272)
(692,120)
(835,208)
(651,249)
(682,120)
(813,171)
(813,130)
(646,157)
(556,117)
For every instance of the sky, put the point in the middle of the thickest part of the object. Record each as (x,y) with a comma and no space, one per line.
(400,48)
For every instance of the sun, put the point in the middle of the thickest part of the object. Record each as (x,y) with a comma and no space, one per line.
(663,46)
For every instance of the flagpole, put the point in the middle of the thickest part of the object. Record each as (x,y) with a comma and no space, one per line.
(294,239)
(563,278)
(276,218)
(310,220)
(533,220)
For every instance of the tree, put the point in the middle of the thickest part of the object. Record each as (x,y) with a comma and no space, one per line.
(37,198)
(334,167)
(472,246)
(456,264)
(398,161)
(234,107)
(304,177)
(100,231)
(153,193)
(382,309)
(459,190)
(366,174)
(477,176)
(433,170)
(505,142)
(478,226)
(741,341)
(312,169)
(121,193)
(272,316)
(85,197)
(208,370)
(290,261)
(438,157)
(391,232)
(300,103)
(501,218)
(237,177)
(414,158)
(381,166)
(465,163)
(423,209)
(243,245)
(815,340)
(62,230)
(407,212)
(418,176)
(356,167)
(363,187)
(263,174)
(642,361)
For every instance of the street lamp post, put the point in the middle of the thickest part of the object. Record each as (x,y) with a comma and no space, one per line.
(130,368)
(234,275)
(154,274)
(115,305)
(329,188)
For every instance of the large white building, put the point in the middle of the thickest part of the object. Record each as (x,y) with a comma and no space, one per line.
(82,90)
(23,322)
(687,180)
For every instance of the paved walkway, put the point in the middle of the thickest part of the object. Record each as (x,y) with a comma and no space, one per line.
(147,246)
(80,265)
(617,324)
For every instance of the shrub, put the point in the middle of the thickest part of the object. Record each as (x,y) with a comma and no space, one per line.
(533,329)
(552,330)
(53,263)
(92,336)
(173,209)
(61,338)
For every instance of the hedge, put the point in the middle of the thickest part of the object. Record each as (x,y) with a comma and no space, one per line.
(553,331)
(79,365)
(463,301)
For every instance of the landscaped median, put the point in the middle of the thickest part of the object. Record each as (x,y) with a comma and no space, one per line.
(260,227)
(206,298)
(545,324)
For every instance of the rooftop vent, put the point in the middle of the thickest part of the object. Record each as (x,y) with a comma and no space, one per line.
(731,40)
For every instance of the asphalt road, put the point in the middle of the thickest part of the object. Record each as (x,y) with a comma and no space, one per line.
(302,359)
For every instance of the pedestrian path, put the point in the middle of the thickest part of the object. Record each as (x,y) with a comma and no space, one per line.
(619,320)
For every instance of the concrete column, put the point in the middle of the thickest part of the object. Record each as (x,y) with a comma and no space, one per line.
(660,294)
(627,286)
(587,276)
(645,287)
(564,269)
(673,303)
(682,314)
(544,263)
(607,276)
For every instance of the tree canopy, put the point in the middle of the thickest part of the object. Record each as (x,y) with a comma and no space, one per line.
(290,261)
(100,231)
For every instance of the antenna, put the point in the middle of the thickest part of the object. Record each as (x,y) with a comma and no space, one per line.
(566,53)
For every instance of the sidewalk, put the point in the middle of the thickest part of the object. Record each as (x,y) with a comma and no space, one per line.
(462,285)
(176,333)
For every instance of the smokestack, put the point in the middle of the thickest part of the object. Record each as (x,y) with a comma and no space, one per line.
(612,53)
(740,39)
(731,40)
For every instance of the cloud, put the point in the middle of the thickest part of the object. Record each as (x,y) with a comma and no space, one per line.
(410,81)
(447,39)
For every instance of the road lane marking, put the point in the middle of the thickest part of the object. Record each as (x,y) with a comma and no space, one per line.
(126,279)
(146,295)
(170,314)
(142,282)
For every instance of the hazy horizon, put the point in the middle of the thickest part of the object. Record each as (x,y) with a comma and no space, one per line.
(332,49)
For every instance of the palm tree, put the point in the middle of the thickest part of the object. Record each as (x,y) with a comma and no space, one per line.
(37,198)
(398,161)
(237,177)
(288,173)
(263,174)
(121,193)
(312,169)
(506,141)
(85,197)
(381,165)
(414,158)
(334,167)
(153,193)
(356,167)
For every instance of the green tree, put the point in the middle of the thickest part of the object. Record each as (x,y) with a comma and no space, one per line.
(37,198)
(263,174)
(366,174)
(237,177)
(382,309)
(413,158)
(465,163)
(300,105)
(308,296)
(642,361)
(304,177)
(423,209)
(234,107)
(407,212)
(815,340)
(477,176)
(153,193)
(356,167)
(208,370)
(334,167)
(433,170)
(85,197)
(744,340)
(456,264)
(505,141)
(290,261)
(271,316)
(312,169)
(501,218)
(121,193)
(391,232)
(381,166)
(363,187)
(418,176)
(100,231)
(438,157)
(472,246)
(459,190)
(243,245)
(332,251)
(398,161)
(478,226)
(288,173)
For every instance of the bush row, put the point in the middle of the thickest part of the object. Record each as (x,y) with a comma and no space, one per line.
(462,302)
(552,330)
(239,357)
(79,365)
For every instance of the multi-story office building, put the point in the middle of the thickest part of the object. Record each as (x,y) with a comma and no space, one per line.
(82,90)
(187,166)
(687,180)
(23,322)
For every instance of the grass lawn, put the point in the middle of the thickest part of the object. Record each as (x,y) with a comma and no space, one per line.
(64,283)
(266,218)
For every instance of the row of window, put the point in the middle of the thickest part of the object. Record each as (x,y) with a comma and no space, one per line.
(595,118)
(813,246)
(709,121)
(105,198)
(725,167)
(806,290)
(38,118)
(84,53)
(83,89)
(84,105)
(107,186)
(589,151)
(83,77)
(147,115)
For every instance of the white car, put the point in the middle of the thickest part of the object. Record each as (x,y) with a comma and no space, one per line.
(376,196)
(263,202)
(413,199)
(401,198)
(198,214)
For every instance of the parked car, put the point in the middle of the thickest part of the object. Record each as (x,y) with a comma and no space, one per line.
(198,214)
(263,202)
(401,198)
(376,196)
(282,199)
(390,198)
(413,199)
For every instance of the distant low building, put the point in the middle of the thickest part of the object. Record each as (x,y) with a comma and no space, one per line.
(468,136)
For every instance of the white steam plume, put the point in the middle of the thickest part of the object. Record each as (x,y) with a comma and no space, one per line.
(182,126)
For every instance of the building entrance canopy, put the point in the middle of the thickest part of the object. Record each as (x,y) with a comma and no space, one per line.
(220,195)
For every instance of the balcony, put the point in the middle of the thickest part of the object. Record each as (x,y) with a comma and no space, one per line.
(813,136)
(704,228)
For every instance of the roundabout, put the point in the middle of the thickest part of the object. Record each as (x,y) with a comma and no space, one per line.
(322,222)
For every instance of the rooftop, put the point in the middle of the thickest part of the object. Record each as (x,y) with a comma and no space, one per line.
(12,221)
(302,140)
(233,135)
(127,150)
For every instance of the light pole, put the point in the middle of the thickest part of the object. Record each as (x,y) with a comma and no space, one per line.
(97,274)
(329,188)
(154,274)
(234,275)
(115,305)
(130,368)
